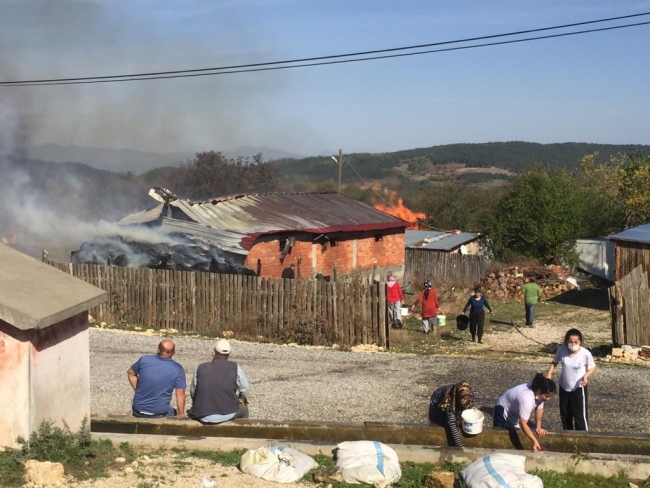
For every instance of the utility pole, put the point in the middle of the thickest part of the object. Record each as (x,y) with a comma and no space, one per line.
(340,167)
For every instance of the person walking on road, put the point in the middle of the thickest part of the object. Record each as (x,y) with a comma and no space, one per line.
(475,304)
(394,297)
(429,300)
(577,366)
(532,295)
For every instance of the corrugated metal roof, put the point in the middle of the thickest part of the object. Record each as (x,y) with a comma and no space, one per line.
(252,215)
(223,239)
(635,234)
(439,241)
(143,217)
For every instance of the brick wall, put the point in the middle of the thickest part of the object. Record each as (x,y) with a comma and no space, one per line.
(387,251)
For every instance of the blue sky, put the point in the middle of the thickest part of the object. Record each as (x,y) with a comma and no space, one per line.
(590,88)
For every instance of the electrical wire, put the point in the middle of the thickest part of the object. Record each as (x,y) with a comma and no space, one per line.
(364,182)
(290,64)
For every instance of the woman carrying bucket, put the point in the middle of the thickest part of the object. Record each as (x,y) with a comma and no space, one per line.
(476,313)
(446,407)
(515,406)
(429,300)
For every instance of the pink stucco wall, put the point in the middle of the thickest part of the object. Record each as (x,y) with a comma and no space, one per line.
(44,374)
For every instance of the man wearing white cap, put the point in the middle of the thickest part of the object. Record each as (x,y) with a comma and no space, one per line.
(214,388)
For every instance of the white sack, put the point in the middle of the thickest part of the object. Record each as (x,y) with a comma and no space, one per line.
(368,462)
(279,464)
(500,470)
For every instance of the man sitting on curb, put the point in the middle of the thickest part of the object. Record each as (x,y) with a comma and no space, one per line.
(154,378)
(214,388)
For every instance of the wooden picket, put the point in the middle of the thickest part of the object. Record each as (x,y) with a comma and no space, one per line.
(442,267)
(308,311)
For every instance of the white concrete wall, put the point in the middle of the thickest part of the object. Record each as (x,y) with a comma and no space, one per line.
(597,257)
(14,384)
(46,377)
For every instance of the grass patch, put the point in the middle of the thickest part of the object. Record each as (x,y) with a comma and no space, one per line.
(225,458)
(81,456)
(12,471)
(552,479)
(413,475)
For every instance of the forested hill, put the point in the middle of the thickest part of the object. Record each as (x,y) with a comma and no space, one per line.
(514,156)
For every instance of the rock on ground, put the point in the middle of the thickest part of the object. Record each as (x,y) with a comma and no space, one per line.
(43,473)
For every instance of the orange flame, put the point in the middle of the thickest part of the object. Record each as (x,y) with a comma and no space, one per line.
(397,208)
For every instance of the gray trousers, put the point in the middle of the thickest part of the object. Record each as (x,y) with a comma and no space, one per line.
(394,312)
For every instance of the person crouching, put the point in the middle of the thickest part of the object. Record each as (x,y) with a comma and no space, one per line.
(446,406)
(214,388)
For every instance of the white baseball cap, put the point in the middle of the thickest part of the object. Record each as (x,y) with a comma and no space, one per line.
(222,346)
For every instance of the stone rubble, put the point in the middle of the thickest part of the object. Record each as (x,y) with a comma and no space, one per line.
(43,473)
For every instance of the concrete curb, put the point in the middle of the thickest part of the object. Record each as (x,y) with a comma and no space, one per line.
(636,467)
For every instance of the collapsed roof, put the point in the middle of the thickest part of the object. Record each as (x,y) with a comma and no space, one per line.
(233,223)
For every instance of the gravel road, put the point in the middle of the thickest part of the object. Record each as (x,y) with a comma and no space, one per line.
(314,384)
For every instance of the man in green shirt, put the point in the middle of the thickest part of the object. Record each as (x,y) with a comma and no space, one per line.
(532,294)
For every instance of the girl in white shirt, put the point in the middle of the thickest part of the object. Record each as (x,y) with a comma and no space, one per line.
(577,366)
(515,406)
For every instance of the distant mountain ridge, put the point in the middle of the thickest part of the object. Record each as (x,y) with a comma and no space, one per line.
(122,160)
(515,156)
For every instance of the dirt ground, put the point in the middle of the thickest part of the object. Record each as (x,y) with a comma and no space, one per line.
(172,469)
(505,333)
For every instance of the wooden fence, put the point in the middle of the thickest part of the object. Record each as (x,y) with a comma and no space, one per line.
(443,267)
(307,311)
(630,309)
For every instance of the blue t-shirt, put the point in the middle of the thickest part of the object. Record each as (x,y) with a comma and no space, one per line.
(476,306)
(157,379)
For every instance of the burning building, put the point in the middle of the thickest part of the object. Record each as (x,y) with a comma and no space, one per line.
(265,233)
(395,206)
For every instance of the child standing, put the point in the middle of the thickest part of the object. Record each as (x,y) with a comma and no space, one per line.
(577,366)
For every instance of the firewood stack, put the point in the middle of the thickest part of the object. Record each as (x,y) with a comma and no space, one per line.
(507,282)
(644,353)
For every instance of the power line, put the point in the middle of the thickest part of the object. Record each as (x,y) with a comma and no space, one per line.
(291,64)
(364,182)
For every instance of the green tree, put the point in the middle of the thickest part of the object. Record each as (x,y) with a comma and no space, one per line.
(539,217)
(618,191)
(211,174)
(456,205)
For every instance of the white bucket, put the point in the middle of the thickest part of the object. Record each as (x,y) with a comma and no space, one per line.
(441,319)
(472,421)
(404,311)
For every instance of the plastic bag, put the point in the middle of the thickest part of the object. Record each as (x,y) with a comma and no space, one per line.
(280,464)
(500,470)
(368,462)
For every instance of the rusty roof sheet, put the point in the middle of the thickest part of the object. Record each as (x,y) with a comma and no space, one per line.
(256,214)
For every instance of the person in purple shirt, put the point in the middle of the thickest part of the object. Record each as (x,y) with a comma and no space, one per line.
(154,378)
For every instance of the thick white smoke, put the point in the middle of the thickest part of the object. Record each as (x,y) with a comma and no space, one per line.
(36,213)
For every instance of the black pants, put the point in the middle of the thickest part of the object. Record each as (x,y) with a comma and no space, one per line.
(573,409)
(476,323)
